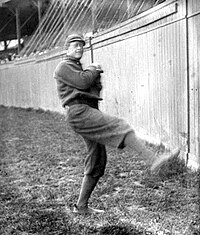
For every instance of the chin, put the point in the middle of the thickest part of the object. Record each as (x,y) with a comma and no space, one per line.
(78,57)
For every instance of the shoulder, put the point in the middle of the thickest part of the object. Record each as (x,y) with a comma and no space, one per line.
(62,64)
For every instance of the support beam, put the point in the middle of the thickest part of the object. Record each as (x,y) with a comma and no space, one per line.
(18,28)
(3,2)
(5,45)
(39,6)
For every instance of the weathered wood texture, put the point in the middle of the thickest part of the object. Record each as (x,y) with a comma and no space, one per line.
(145,80)
(194,75)
(29,85)
(151,75)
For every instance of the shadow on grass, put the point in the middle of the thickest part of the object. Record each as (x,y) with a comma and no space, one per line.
(122,230)
(38,219)
(32,218)
(22,216)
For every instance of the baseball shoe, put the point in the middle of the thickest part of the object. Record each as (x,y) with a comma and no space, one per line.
(86,210)
(160,160)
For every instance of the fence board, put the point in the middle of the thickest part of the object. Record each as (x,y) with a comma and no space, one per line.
(146,70)
(194,74)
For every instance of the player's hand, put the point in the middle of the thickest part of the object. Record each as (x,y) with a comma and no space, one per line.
(98,67)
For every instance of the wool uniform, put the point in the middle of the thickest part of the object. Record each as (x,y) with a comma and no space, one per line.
(79,90)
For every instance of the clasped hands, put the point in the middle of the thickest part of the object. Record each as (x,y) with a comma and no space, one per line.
(98,67)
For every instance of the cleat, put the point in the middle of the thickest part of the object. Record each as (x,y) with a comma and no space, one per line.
(86,210)
(162,159)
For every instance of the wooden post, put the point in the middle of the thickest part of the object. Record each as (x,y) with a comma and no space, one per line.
(91,50)
(18,29)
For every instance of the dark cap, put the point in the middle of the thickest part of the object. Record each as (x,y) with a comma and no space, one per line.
(74,38)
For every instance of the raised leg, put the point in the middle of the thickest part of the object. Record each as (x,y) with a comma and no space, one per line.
(154,160)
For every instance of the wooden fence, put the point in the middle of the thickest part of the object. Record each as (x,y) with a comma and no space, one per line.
(151,75)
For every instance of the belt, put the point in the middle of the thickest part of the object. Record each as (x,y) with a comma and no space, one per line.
(90,102)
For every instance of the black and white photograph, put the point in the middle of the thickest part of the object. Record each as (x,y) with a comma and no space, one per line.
(99,117)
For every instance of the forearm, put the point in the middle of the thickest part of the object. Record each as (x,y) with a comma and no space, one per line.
(78,78)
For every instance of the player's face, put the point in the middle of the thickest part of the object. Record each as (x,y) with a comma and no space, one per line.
(75,49)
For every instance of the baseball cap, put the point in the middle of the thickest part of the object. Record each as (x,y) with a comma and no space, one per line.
(74,38)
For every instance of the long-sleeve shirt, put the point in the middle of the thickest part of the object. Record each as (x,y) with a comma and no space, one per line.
(74,83)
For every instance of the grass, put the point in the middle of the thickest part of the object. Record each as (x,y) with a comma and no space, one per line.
(41,168)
